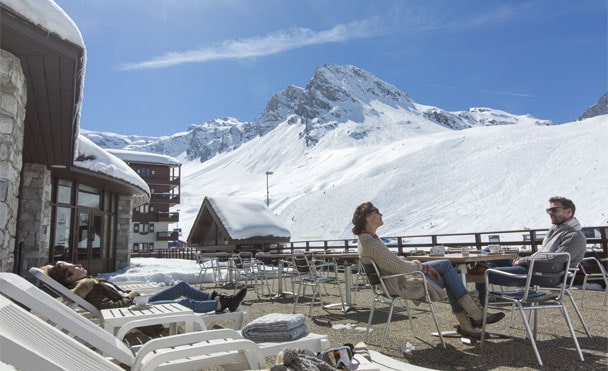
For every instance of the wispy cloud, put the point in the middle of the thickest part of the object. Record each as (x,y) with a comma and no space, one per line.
(269,44)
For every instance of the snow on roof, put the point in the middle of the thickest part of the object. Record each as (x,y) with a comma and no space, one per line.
(49,16)
(92,157)
(247,218)
(144,157)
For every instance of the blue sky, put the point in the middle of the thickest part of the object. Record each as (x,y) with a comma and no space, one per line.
(155,67)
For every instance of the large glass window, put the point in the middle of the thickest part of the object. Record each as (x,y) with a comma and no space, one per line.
(61,241)
(84,225)
(64,192)
(88,196)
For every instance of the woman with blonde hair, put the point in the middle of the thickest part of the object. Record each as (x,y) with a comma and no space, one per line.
(439,274)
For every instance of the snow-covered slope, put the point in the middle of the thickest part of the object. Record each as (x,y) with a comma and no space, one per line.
(348,137)
(485,178)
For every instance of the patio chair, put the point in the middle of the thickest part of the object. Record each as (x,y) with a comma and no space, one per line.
(207,263)
(29,343)
(546,270)
(307,274)
(377,281)
(600,274)
(75,301)
(24,292)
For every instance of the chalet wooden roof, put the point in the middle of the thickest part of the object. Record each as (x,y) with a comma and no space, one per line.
(209,221)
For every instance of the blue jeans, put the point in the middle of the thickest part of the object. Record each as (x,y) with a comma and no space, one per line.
(195,299)
(502,280)
(451,282)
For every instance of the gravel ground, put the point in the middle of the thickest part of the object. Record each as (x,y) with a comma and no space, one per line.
(512,352)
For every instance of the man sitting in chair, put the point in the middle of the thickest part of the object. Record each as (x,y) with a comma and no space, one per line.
(564,236)
(104,294)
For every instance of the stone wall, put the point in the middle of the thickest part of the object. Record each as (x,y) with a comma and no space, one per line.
(123,232)
(35,215)
(13,99)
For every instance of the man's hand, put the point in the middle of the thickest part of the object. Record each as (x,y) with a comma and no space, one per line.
(433,273)
(515,262)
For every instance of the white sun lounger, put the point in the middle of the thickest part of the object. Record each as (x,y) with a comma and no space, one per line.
(24,292)
(29,343)
(210,318)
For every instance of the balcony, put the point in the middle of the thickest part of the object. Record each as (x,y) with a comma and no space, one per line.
(171,217)
(164,198)
(167,236)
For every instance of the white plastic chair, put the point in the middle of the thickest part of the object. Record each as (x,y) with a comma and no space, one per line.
(209,318)
(24,292)
(29,343)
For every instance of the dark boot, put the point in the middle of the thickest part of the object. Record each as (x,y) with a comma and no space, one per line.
(213,295)
(231,302)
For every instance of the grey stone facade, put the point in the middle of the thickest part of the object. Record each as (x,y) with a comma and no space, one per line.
(35,216)
(13,99)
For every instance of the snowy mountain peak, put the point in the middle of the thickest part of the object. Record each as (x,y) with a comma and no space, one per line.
(338,101)
(599,108)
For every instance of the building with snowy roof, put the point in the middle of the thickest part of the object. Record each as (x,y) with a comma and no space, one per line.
(236,224)
(150,224)
(61,196)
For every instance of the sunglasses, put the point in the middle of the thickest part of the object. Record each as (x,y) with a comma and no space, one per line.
(339,357)
(553,209)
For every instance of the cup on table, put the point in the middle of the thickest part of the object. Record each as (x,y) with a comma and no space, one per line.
(141,301)
(494,249)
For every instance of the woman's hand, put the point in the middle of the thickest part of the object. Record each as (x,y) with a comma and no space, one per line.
(433,273)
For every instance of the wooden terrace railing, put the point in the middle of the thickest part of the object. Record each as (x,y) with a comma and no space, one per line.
(526,241)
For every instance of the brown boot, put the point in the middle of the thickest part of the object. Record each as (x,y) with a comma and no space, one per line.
(475,311)
(464,327)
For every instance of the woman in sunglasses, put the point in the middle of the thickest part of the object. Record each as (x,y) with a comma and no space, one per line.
(104,294)
(439,274)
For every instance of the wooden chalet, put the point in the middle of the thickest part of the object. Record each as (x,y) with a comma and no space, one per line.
(231,224)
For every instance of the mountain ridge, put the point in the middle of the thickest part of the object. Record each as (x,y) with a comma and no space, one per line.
(334,96)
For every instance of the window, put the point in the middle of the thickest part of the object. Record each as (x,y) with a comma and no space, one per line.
(151,227)
(64,191)
(135,247)
(135,227)
(88,196)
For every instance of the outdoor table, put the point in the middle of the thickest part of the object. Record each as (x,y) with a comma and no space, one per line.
(115,318)
(461,261)
(348,259)
(280,258)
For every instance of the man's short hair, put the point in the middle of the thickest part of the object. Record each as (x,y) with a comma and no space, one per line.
(566,203)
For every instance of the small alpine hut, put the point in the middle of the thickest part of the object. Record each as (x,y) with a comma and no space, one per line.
(232,224)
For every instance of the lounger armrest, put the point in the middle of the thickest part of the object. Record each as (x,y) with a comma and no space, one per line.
(124,329)
(188,338)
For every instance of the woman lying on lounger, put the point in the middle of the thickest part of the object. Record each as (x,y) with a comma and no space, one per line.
(104,294)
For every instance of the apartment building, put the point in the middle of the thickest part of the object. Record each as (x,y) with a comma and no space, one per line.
(152,223)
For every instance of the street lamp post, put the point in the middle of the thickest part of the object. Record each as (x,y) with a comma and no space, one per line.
(267,189)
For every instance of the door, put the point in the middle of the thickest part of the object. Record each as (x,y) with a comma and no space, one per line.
(90,240)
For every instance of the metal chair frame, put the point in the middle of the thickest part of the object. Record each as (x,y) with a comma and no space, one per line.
(546,284)
(602,275)
(377,281)
(308,275)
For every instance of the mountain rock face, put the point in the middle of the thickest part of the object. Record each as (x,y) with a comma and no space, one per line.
(599,108)
(336,95)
